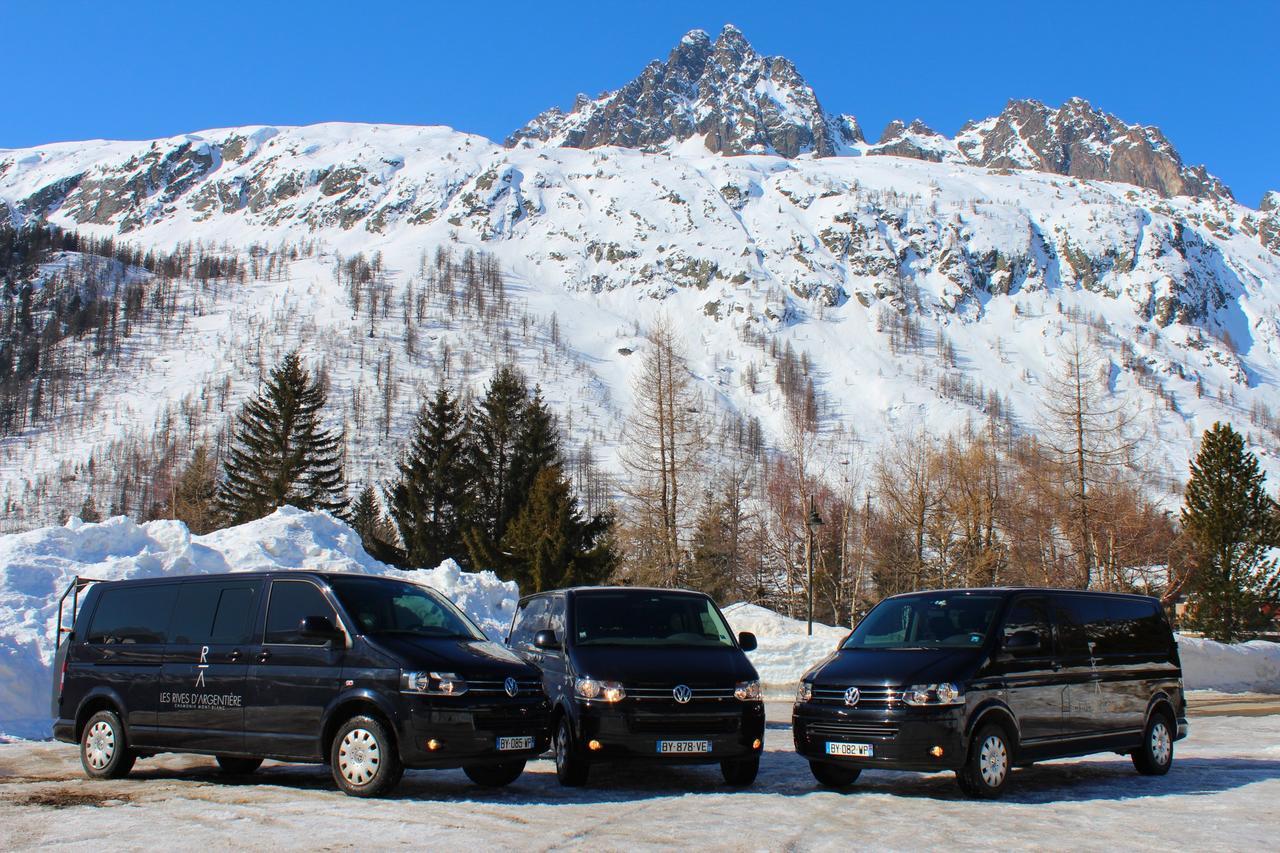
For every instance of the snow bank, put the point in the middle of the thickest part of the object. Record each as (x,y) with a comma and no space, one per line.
(37,566)
(786,650)
(1241,668)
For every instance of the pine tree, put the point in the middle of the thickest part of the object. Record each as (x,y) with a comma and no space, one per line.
(376,532)
(430,495)
(495,439)
(1231,524)
(89,510)
(537,447)
(549,544)
(195,491)
(280,454)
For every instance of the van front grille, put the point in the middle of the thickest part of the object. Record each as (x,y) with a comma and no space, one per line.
(860,729)
(869,696)
(524,687)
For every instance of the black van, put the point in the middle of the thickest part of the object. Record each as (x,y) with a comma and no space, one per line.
(637,673)
(982,680)
(367,674)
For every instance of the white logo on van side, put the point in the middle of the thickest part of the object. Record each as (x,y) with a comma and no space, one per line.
(202,666)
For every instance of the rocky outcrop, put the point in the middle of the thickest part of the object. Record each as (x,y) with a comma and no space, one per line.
(916,140)
(739,101)
(1269,226)
(1083,142)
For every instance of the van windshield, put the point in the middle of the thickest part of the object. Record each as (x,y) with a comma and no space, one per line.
(383,606)
(636,618)
(927,621)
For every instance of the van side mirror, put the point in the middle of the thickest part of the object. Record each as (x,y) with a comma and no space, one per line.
(546,640)
(318,628)
(1023,642)
(747,640)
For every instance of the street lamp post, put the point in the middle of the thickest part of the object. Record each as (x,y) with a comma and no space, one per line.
(812,523)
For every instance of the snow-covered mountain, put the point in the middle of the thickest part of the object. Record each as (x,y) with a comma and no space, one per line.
(923,290)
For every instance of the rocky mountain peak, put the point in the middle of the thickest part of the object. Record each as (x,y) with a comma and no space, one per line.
(1081,141)
(739,101)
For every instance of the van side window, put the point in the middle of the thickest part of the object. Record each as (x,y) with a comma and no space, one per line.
(209,612)
(529,620)
(1135,627)
(1029,614)
(1088,615)
(555,617)
(133,615)
(234,620)
(291,602)
(1072,642)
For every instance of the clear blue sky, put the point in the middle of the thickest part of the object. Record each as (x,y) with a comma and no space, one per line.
(1207,73)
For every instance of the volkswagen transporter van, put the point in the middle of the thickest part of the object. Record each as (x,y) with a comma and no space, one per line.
(369,675)
(643,674)
(980,681)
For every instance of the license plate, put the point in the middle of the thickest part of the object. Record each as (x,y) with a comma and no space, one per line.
(683,747)
(505,743)
(856,750)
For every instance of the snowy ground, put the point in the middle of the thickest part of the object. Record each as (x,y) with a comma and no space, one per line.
(1219,795)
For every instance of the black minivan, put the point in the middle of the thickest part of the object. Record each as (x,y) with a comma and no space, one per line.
(982,680)
(647,674)
(367,674)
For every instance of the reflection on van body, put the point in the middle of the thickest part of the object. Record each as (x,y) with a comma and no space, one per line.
(370,675)
(979,681)
(643,674)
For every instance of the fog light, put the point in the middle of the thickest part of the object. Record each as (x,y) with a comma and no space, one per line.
(936,752)
(434,744)
(755,744)
(594,745)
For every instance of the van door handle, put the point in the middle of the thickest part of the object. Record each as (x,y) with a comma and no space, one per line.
(263,656)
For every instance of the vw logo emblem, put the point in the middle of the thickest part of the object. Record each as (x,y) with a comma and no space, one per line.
(851,696)
(682,693)
(510,686)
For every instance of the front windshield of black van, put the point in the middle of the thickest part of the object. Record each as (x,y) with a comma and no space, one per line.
(384,606)
(644,618)
(927,621)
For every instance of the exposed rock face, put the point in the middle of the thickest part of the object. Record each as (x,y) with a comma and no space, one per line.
(742,103)
(1269,227)
(916,140)
(1083,142)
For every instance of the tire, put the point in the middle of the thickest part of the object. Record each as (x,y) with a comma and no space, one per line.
(987,768)
(571,768)
(1155,756)
(494,775)
(104,748)
(363,758)
(740,772)
(232,766)
(834,775)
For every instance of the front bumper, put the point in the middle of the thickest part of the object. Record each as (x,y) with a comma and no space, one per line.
(466,730)
(632,730)
(900,739)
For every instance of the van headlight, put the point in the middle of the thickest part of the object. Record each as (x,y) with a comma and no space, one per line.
(934,694)
(747,691)
(592,688)
(433,683)
(804,692)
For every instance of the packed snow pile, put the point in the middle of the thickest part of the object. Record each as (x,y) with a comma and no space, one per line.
(1239,668)
(37,566)
(785,649)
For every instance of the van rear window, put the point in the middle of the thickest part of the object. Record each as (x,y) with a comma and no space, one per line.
(133,615)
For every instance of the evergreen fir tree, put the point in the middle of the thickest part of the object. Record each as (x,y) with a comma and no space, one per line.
(495,439)
(195,491)
(376,532)
(89,510)
(429,497)
(1231,524)
(280,454)
(550,544)
(711,569)
(537,447)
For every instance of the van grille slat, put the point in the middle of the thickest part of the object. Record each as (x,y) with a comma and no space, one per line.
(860,729)
(872,695)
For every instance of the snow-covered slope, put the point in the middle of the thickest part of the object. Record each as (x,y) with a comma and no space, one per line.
(830,256)
(37,566)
